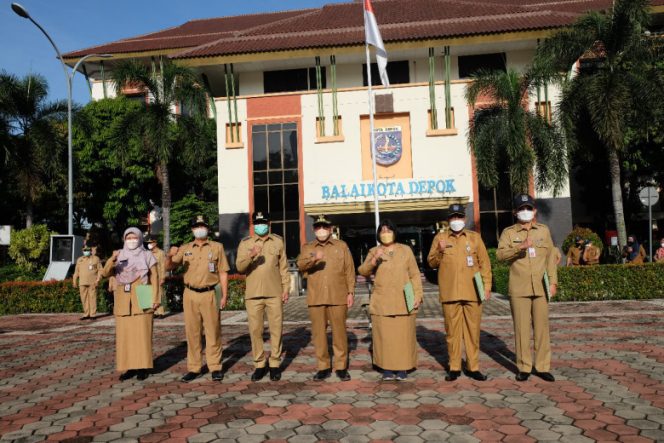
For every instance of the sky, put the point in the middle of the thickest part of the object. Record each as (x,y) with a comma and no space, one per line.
(78,24)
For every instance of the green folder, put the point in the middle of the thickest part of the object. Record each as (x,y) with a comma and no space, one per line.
(479,285)
(409,295)
(547,286)
(144,295)
(217,295)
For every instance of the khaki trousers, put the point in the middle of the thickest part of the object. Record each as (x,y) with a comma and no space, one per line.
(336,316)
(200,311)
(532,312)
(462,323)
(257,308)
(88,300)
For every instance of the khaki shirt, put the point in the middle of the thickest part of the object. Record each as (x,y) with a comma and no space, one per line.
(87,271)
(267,273)
(640,258)
(202,264)
(126,303)
(574,256)
(591,255)
(330,280)
(455,273)
(527,273)
(392,273)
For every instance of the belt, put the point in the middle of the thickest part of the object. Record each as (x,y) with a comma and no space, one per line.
(205,289)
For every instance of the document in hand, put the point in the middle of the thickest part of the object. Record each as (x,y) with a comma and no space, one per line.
(217,296)
(479,286)
(144,295)
(547,286)
(409,295)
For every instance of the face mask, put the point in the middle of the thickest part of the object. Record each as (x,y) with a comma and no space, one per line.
(131,244)
(200,233)
(151,246)
(387,238)
(261,229)
(457,225)
(630,241)
(662,244)
(525,215)
(322,234)
(87,253)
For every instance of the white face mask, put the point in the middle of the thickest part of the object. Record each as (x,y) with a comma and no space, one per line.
(87,253)
(457,225)
(131,244)
(200,233)
(662,244)
(322,234)
(525,215)
(151,246)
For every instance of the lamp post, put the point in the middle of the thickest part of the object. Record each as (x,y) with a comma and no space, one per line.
(69,76)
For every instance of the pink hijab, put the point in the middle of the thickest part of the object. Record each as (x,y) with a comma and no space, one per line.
(134,264)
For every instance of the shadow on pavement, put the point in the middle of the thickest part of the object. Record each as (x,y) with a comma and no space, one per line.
(293,343)
(433,342)
(495,348)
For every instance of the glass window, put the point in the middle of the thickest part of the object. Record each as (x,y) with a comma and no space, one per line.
(290,148)
(470,64)
(398,72)
(292,80)
(260,151)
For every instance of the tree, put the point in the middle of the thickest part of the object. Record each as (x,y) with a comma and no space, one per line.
(33,145)
(506,135)
(29,247)
(618,82)
(184,211)
(160,129)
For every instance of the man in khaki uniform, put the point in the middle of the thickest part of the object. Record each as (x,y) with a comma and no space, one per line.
(459,254)
(86,277)
(591,254)
(262,257)
(529,250)
(205,267)
(575,252)
(330,272)
(160,255)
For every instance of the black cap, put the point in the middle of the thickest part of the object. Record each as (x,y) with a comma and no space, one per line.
(523,200)
(577,239)
(456,209)
(322,220)
(198,221)
(260,217)
(87,248)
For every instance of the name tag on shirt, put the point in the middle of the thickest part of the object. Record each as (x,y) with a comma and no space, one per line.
(212,267)
(531,252)
(127,287)
(91,267)
(469,261)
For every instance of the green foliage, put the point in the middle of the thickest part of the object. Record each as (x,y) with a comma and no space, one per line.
(584,233)
(38,297)
(12,272)
(29,247)
(236,289)
(611,282)
(500,273)
(183,211)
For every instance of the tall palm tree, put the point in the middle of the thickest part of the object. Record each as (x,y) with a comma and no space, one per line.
(506,134)
(617,81)
(33,140)
(159,128)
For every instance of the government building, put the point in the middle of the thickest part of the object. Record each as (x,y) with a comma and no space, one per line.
(290,100)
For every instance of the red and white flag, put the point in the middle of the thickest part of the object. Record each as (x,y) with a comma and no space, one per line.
(373,38)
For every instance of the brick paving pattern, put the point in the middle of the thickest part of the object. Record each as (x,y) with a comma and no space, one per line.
(57,383)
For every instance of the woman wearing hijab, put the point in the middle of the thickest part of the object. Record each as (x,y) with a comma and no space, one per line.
(394,265)
(634,252)
(131,267)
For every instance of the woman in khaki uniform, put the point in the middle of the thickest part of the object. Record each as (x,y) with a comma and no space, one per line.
(133,266)
(394,265)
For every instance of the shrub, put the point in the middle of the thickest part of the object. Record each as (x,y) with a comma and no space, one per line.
(585,234)
(500,272)
(236,288)
(13,272)
(29,247)
(52,296)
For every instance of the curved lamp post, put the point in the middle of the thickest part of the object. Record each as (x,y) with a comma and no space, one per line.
(69,76)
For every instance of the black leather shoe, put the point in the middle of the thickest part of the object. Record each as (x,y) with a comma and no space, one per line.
(217,376)
(322,375)
(84,318)
(142,374)
(275,374)
(190,376)
(546,376)
(477,375)
(522,376)
(452,375)
(127,375)
(343,375)
(258,374)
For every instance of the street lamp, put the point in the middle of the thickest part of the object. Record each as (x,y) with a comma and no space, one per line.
(69,76)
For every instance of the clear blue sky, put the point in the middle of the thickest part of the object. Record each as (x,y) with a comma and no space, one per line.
(77,24)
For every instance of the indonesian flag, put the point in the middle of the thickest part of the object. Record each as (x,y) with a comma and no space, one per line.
(373,38)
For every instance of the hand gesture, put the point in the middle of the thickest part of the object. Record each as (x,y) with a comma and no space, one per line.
(319,255)
(527,243)
(377,255)
(284,297)
(255,250)
(417,303)
(442,245)
(114,257)
(173,251)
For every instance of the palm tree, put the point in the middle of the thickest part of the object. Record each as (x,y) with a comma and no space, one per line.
(33,140)
(617,81)
(159,128)
(505,135)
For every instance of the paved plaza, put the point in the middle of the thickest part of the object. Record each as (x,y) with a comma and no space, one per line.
(57,382)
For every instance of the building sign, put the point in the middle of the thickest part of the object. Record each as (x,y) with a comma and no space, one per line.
(390,188)
(389,147)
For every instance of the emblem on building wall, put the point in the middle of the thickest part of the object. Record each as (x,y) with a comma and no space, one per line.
(388,145)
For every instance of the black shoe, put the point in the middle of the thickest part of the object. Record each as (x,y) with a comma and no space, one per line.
(343,375)
(546,376)
(217,376)
(275,374)
(477,375)
(142,374)
(84,318)
(258,374)
(522,376)
(190,376)
(452,375)
(127,375)
(322,375)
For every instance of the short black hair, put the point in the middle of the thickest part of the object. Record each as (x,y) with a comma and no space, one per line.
(390,225)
